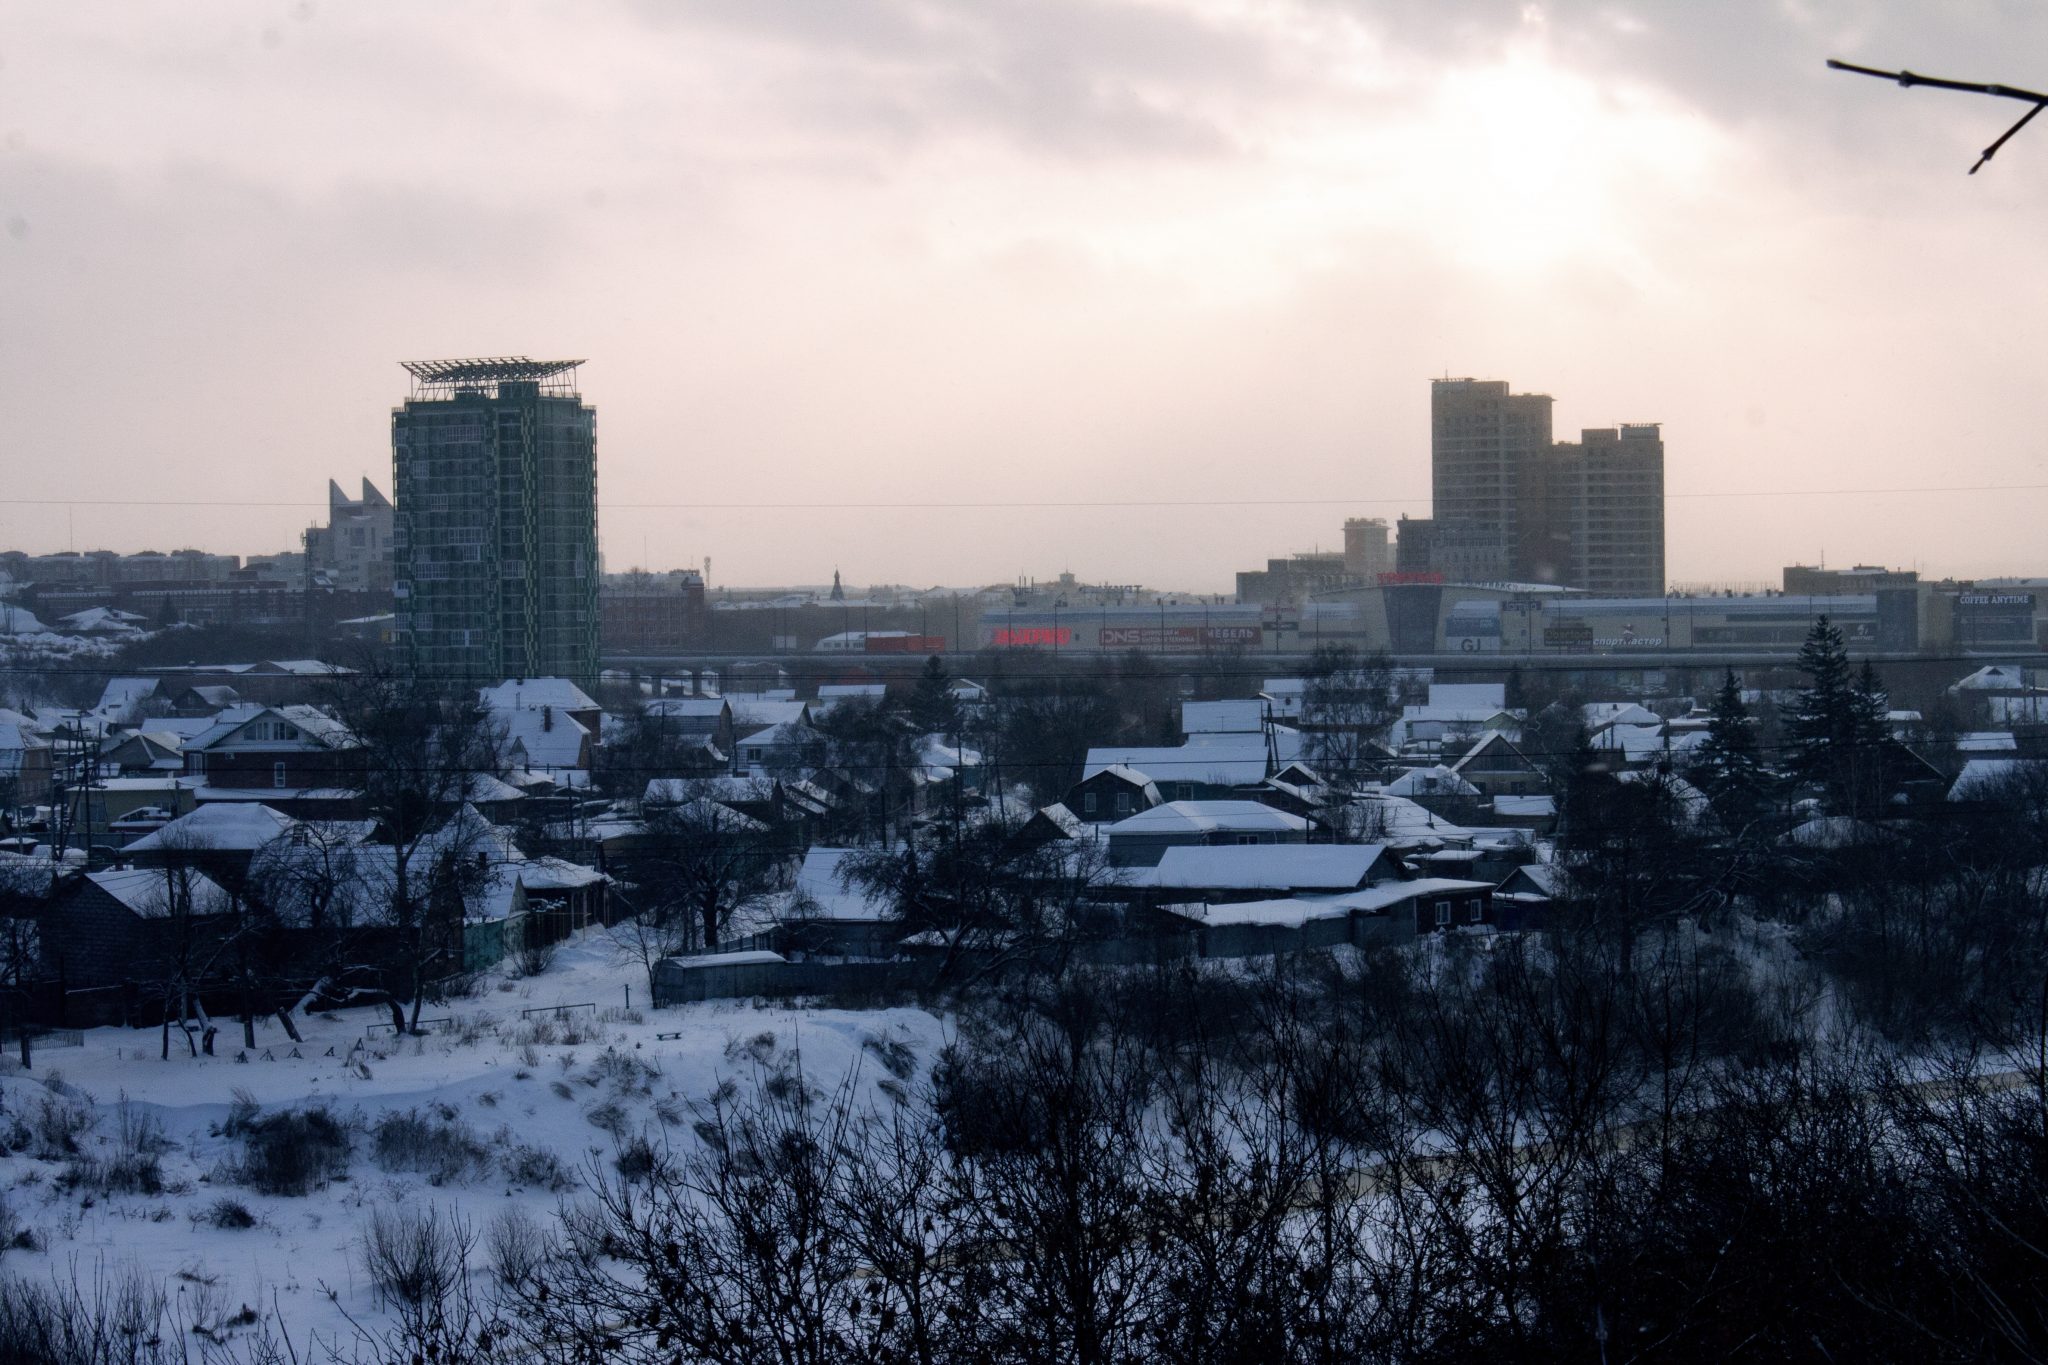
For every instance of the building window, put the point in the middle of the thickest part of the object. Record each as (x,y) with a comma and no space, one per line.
(1472,912)
(1443,913)
(1123,802)
(277,774)
(1247,838)
(1088,803)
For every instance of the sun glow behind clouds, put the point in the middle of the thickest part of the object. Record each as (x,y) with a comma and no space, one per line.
(1511,168)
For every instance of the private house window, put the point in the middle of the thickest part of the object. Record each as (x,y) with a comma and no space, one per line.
(277,774)
(1187,791)
(199,761)
(1123,802)
(1247,838)
(1088,803)
(1443,913)
(1472,913)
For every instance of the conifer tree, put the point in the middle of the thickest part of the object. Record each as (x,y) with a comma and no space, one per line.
(1729,766)
(1836,724)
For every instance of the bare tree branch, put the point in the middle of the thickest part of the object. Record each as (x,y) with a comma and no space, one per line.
(2010,92)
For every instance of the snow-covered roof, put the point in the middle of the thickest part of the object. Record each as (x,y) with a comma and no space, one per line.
(489,789)
(787,732)
(1436,781)
(1069,824)
(1547,878)
(1288,913)
(1483,697)
(1221,764)
(1525,807)
(820,893)
(1210,817)
(758,713)
(121,693)
(678,708)
(1987,742)
(106,619)
(1222,717)
(19,621)
(1691,801)
(557,874)
(152,892)
(1386,895)
(722,787)
(546,738)
(298,668)
(1993,678)
(1982,778)
(1834,831)
(841,691)
(1636,743)
(313,724)
(523,693)
(1603,713)
(235,827)
(1263,867)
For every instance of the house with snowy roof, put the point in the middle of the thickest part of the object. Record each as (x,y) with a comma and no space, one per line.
(1111,793)
(1141,840)
(1223,872)
(118,939)
(297,758)
(1496,766)
(1191,772)
(25,760)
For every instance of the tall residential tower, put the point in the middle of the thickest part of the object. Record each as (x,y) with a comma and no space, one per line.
(1511,503)
(496,481)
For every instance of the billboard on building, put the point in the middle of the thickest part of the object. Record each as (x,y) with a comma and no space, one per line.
(1994,619)
(1179,637)
(1473,627)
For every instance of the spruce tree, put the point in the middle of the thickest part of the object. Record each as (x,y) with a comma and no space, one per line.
(932,704)
(1836,722)
(1729,766)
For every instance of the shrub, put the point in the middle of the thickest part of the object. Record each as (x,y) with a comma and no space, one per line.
(637,1159)
(417,1257)
(118,1322)
(518,1248)
(242,1111)
(894,1055)
(132,1167)
(229,1214)
(536,1167)
(535,957)
(55,1128)
(294,1152)
(443,1150)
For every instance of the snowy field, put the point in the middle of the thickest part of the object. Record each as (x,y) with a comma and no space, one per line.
(512,1113)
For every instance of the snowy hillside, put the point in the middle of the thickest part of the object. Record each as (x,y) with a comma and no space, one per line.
(494,1111)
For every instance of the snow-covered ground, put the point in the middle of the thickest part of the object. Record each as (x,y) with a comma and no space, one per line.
(578,1101)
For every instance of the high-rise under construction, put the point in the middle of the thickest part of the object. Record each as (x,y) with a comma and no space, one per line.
(495,472)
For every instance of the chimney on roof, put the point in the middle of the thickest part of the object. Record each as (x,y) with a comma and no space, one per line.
(547,718)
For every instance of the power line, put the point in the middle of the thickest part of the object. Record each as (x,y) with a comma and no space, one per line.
(1053,504)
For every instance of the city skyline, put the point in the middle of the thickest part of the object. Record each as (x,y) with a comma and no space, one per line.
(1002,316)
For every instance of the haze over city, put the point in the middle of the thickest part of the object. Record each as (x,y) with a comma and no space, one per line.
(951,293)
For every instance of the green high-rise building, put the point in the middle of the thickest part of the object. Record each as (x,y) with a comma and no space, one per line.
(495,476)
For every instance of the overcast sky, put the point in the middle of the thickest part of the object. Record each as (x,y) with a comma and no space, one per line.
(926,276)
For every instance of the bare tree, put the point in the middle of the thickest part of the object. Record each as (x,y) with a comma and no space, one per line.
(416,746)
